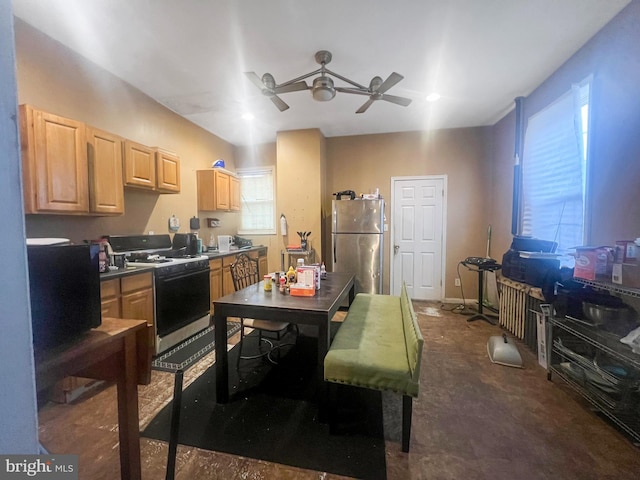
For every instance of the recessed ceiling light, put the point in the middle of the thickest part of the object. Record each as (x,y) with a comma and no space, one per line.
(433,97)
(248,116)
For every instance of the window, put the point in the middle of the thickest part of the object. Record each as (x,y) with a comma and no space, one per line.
(554,170)
(257,200)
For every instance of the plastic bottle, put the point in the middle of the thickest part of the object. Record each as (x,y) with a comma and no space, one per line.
(323,271)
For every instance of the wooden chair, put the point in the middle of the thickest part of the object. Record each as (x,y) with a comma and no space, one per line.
(244,272)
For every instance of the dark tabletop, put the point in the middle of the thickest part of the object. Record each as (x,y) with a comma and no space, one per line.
(332,290)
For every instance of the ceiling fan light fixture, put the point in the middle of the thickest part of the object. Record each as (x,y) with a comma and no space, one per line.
(323,89)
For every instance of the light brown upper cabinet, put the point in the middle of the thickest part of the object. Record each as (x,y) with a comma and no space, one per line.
(167,171)
(106,193)
(54,163)
(217,190)
(139,166)
(151,168)
(234,193)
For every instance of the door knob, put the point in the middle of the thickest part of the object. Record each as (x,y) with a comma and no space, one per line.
(396,248)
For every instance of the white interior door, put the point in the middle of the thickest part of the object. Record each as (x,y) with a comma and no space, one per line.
(417,248)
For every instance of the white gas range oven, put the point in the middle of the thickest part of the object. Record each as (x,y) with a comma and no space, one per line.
(181,284)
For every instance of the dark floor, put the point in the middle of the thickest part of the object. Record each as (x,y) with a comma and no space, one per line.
(473,420)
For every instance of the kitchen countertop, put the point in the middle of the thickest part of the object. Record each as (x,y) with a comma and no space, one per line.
(131,270)
(125,272)
(218,254)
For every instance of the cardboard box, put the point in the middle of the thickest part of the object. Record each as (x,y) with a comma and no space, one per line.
(300,290)
(626,274)
(541,330)
(627,251)
(306,275)
(593,263)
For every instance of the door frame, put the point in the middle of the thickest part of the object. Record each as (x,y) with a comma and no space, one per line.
(444,178)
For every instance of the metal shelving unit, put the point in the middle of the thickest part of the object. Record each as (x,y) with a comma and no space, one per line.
(611,287)
(616,397)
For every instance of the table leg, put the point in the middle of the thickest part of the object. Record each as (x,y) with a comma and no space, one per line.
(222,359)
(323,348)
(128,422)
(175,425)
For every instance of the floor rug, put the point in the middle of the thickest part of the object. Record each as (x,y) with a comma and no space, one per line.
(273,414)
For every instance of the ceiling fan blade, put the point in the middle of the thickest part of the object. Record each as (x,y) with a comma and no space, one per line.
(293,87)
(277,101)
(255,79)
(366,105)
(397,100)
(389,82)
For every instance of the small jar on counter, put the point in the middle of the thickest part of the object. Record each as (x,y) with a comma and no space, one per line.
(267,283)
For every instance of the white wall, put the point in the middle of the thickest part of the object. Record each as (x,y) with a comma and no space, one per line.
(18,410)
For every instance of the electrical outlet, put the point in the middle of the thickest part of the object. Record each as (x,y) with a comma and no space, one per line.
(457,282)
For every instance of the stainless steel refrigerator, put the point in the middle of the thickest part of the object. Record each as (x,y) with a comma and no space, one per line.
(357,241)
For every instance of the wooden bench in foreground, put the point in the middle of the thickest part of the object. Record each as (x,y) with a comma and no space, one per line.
(379,346)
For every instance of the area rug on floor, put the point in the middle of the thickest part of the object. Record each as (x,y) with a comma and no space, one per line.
(189,351)
(273,415)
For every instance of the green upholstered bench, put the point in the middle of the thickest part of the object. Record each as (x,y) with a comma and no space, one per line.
(379,346)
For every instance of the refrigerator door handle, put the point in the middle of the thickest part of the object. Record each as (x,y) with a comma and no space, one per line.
(334,253)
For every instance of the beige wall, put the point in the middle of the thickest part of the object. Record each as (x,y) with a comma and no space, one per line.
(363,163)
(53,78)
(300,185)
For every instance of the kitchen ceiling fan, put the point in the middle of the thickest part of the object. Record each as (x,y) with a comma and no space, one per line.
(323,88)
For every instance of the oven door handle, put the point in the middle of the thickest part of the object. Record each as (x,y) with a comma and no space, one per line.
(170,278)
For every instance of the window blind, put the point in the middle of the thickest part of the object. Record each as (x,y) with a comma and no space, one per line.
(257,201)
(554,171)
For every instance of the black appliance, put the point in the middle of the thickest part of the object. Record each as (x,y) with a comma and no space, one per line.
(186,241)
(181,279)
(64,284)
(182,295)
(242,242)
(533,271)
(345,193)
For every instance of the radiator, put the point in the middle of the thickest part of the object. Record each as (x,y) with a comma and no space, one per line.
(518,303)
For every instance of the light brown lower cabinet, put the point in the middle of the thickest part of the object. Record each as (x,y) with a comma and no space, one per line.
(125,297)
(215,280)
(227,279)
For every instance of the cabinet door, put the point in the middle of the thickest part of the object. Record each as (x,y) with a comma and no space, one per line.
(139,166)
(234,193)
(106,192)
(167,171)
(138,305)
(215,280)
(206,185)
(110,308)
(222,190)
(55,167)
(227,279)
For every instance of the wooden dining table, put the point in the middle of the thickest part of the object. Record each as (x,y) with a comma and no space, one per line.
(118,350)
(255,302)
